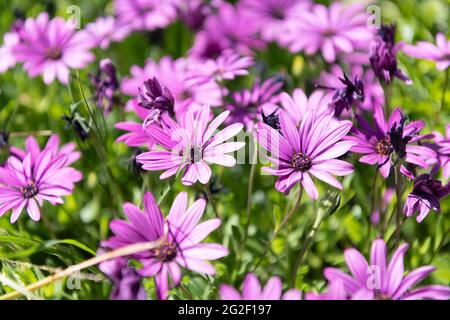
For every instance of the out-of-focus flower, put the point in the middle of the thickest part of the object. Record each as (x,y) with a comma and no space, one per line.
(333,30)
(174,74)
(192,12)
(383,56)
(312,149)
(374,94)
(377,144)
(51,48)
(106,85)
(192,144)
(136,136)
(181,234)
(379,280)
(426,194)
(375,215)
(442,148)
(440,53)
(104,30)
(247,105)
(127,282)
(144,14)
(7,58)
(273,17)
(40,175)
(229,28)
(251,290)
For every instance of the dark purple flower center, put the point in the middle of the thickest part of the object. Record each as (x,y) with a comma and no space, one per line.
(328,32)
(166,253)
(53,53)
(196,154)
(30,190)
(277,13)
(301,162)
(384,146)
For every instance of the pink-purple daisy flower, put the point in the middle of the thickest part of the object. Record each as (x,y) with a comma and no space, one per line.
(440,53)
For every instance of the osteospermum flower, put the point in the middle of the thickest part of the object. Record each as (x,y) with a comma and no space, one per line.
(376,143)
(440,53)
(381,280)
(181,234)
(7,58)
(192,144)
(135,136)
(105,30)
(311,150)
(40,175)
(145,14)
(333,30)
(443,151)
(251,290)
(426,195)
(51,48)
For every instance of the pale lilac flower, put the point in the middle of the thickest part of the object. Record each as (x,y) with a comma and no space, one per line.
(105,30)
(181,234)
(311,150)
(375,215)
(7,58)
(40,175)
(426,194)
(174,74)
(51,48)
(442,148)
(380,280)
(145,14)
(127,282)
(251,290)
(332,30)
(192,144)
(376,144)
(273,17)
(440,53)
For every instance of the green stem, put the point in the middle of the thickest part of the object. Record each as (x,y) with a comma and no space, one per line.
(211,200)
(398,193)
(440,245)
(372,205)
(444,91)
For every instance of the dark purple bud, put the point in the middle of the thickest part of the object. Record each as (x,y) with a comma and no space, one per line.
(344,98)
(397,139)
(154,96)
(4,137)
(272,120)
(106,85)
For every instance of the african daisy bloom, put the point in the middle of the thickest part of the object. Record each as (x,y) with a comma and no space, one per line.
(181,234)
(51,48)
(40,175)
(192,144)
(7,57)
(440,53)
(375,142)
(311,150)
(332,30)
(381,280)
(105,30)
(426,194)
(443,151)
(251,290)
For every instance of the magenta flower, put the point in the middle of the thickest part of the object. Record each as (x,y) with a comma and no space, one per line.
(40,175)
(7,58)
(273,17)
(443,151)
(182,236)
(376,144)
(440,53)
(105,30)
(51,48)
(333,30)
(426,194)
(312,149)
(192,144)
(380,280)
(251,290)
(145,14)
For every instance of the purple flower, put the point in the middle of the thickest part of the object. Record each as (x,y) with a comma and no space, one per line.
(193,145)
(251,290)
(426,194)
(379,280)
(312,149)
(40,175)
(443,151)
(106,29)
(7,58)
(155,97)
(440,53)
(127,282)
(136,136)
(106,85)
(273,17)
(192,12)
(52,48)
(182,235)
(376,143)
(144,14)
(333,30)
(383,56)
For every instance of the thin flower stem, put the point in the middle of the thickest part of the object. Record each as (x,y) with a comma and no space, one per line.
(444,91)
(387,98)
(124,251)
(309,238)
(280,227)
(372,205)
(251,181)
(211,200)
(398,193)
